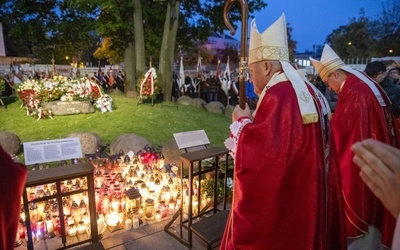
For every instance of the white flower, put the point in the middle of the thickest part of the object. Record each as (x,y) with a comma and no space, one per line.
(229,182)
(235,127)
(230,143)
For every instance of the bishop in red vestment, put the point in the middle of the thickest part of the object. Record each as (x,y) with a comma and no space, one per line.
(286,195)
(12,181)
(363,111)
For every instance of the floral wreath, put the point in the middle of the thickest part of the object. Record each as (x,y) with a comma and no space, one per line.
(148,85)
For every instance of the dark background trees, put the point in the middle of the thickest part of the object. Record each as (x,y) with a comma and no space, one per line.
(365,37)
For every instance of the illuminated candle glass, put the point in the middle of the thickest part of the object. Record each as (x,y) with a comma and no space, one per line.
(72,231)
(49,225)
(83,206)
(135,223)
(171,208)
(115,205)
(81,228)
(66,208)
(40,226)
(158,215)
(105,206)
(149,210)
(128,224)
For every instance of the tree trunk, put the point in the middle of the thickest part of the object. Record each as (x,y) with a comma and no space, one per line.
(168,48)
(129,59)
(139,37)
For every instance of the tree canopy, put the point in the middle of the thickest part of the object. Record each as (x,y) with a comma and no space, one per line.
(367,37)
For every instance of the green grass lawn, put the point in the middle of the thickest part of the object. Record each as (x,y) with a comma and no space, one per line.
(155,123)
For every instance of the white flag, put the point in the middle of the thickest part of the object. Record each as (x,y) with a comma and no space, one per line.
(181,74)
(226,79)
(199,73)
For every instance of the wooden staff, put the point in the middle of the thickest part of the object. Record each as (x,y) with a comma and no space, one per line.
(243,47)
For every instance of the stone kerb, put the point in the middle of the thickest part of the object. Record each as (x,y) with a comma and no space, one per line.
(128,142)
(198,103)
(10,142)
(185,100)
(229,110)
(90,142)
(70,108)
(171,152)
(215,107)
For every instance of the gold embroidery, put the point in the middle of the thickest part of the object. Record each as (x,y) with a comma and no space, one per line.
(268,53)
(310,118)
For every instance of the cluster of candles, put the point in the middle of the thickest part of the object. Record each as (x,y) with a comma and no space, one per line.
(134,188)
(128,188)
(44,215)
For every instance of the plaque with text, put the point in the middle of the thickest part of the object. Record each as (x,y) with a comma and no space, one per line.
(52,150)
(191,139)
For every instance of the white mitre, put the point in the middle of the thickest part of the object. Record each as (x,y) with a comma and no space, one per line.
(271,45)
(330,62)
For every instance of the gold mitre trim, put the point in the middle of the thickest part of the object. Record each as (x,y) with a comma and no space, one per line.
(329,62)
(272,44)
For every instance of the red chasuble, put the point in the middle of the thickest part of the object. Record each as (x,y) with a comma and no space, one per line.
(359,116)
(12,183)
(280,182)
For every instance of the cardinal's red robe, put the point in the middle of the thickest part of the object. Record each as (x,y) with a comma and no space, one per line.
(12,181)
(282,183)
(359,116)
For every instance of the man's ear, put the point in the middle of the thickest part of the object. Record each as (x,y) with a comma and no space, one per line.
(268,68)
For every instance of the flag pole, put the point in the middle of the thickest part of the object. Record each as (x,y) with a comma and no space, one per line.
(243,46)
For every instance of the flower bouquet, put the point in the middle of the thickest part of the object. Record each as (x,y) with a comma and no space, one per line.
(104,103)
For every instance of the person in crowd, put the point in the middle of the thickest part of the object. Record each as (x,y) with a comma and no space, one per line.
(175,94)
(332,98)
(363,111)
(203,86)
(111,80)
(394,75)
(104,81)
(16,78)
(188,88)
(284,196)
(377,71)
(234,92)
(120,81)
(13,177)
(8,90)
(251,96)
(319,84)
(213,87)
(380,170)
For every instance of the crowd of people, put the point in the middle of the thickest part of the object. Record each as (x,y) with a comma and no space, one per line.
(210,88)
(110,80)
